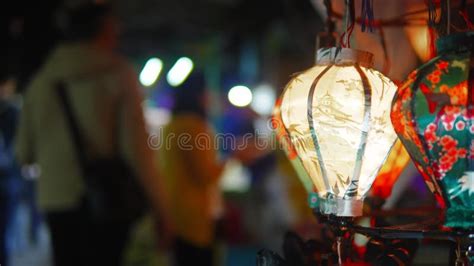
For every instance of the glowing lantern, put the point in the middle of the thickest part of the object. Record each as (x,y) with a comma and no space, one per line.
(391,170)
(433,116)
(337,115)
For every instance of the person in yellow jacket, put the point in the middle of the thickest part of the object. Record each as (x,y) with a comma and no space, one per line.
(188,160)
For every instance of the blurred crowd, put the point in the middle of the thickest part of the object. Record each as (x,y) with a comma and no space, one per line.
(74,149)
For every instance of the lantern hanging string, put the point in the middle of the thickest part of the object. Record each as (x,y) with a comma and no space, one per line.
(386,65)
(350,22)
(459,260)
(339,250)
(367,15)
(463,13)
(442,25)
(448,16)
(432,25)
(432,14)
(413,18)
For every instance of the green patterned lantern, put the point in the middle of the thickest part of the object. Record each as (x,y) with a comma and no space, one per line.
(433,114)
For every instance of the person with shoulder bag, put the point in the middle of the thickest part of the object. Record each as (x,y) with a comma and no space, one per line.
(83,124)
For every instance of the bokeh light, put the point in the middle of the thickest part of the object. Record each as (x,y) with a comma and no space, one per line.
(151,71)
(180,71)
(240,96)
(263,101)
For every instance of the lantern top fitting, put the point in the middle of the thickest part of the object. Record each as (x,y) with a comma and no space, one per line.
(344,57)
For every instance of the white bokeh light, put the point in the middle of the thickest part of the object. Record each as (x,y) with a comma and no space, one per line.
(180,71)
(240,96)
(235,177)
(151,71)
(263,101)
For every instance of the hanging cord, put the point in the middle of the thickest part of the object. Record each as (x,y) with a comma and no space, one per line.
(443,24)
(339,250)
(367,15)
(350,22)
(411,19)
(432,14)
(448,14)
(432,25)
(463,13)
(346,26)
(383,42)
(459,259)
(439,24)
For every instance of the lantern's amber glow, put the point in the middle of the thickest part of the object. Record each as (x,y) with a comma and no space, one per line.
(337,115)
(433,115)
(419,39)
(391,170)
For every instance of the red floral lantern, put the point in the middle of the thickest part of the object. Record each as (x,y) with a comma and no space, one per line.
(433,114)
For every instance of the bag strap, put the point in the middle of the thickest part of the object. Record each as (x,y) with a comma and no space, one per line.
(77,139)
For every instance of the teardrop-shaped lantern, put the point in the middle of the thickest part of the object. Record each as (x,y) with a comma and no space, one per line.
(337,115)
(433,115)
(391,170)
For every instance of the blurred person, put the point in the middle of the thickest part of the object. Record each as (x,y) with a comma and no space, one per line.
(10,177)
(105,99)
(191,168)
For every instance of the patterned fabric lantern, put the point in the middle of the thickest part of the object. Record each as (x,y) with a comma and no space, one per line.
(433,116)
(391,170)
(337,115)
